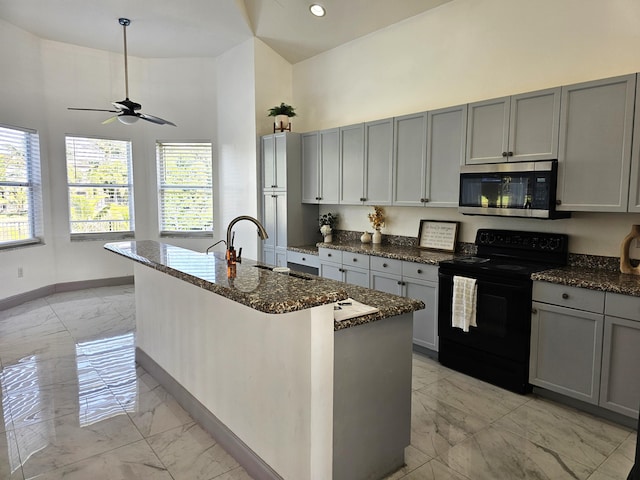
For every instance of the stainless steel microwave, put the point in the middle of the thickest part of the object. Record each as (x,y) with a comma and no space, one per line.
(519,189)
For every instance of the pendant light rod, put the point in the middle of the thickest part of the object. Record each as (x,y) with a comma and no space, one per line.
(125,22)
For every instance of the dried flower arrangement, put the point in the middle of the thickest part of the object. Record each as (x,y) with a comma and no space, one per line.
(377,218)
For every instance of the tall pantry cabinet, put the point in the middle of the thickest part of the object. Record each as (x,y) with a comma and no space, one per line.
(287,220)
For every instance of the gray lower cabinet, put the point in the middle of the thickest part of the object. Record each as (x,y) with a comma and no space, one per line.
(594,156)
(413,280)
(567,326)
(620,380)
(351,268)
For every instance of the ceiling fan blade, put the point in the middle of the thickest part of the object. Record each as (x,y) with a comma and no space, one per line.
(158,120)
(93,109)
(110,120)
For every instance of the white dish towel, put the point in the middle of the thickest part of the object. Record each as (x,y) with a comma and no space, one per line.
(463,311)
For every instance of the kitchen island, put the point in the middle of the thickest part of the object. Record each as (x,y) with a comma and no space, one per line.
(258,360)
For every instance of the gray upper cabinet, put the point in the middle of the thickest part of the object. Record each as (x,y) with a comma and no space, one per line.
(378,162)
(429,148)
(352,164)
(410,159)
(320,166)
(518,128)
(594,156)
(446,140)
(634,183)
(274,160)
(488,131)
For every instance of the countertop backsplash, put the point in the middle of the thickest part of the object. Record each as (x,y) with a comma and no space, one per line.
(346,236)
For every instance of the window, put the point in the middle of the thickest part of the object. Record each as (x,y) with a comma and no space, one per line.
(20,188)
(100,186)
(185,187)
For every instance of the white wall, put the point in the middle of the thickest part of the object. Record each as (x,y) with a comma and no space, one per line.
(47,77)
(469,50)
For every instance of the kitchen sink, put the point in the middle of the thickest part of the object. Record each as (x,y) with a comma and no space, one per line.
(291,273)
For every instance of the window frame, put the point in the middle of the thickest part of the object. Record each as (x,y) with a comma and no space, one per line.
(33,184)
(103,235)
(161,186)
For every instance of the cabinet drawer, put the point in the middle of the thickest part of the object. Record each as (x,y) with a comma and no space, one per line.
(571,297)
(330,255)
(355,260)
(380,264)
(420,271)
(303,259)
(623,306)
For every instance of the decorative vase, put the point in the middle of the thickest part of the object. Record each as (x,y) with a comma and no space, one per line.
(365,237)
(326,231)
(625,262)
(376,237)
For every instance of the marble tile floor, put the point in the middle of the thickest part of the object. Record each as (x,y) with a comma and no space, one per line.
(75,406)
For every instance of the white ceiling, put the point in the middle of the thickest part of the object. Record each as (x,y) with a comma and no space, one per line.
(197,28)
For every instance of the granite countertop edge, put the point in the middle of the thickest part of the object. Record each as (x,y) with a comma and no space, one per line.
(592,278)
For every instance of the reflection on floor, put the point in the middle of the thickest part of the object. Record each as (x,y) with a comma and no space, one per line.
(75,406)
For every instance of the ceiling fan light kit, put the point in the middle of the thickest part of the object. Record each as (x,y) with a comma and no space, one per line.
(126,110)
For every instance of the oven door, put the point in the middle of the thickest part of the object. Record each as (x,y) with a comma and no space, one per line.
(503,315)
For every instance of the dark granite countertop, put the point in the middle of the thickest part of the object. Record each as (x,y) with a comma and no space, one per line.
(592,278)
(397,252)
(260,288)
(308,249)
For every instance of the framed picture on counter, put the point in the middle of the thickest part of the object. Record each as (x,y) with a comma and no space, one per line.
(437,235)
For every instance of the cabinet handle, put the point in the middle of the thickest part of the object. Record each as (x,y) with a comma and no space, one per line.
(565,295)
(362,199)
(504,154)
(510,154)
(319,198)
(558,202)
(534,311)
(274,196)
(355,259)
(426,200)
(419,270)
(274,186)
(384,265)
(399,282)
(304,259)
(328,254)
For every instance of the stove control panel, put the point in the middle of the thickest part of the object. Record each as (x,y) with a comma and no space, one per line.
(519,240)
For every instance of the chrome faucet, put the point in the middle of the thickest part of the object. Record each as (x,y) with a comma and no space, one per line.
(262,233)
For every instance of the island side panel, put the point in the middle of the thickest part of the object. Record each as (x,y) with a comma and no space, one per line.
(372,398)
(268,378)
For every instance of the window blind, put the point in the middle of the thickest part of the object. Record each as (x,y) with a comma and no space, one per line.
(20,187)
(185,187)
(100,185)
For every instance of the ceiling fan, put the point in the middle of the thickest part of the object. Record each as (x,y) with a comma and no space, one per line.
(126,110)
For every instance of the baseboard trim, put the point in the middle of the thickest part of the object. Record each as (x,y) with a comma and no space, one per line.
(247,458)
(21,298)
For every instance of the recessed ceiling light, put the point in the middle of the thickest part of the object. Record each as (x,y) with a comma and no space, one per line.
(317,10)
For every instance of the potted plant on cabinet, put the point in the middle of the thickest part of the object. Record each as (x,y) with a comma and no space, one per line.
(327,222)
(283,113)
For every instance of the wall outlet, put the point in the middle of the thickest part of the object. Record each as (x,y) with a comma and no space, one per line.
(20,272)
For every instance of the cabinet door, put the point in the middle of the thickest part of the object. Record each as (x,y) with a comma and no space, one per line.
(620,383)
(332,271)
(634,183)
(385,282)
(378,162)
(280,155)
(425,322)
(594,155)
(566,351)
(534,123)
(446,143)
(268,162)
(281,221)
(352,164)
(410,159)
(310,168)
(487,131)
(269,218)
(356,276)
(329,166)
